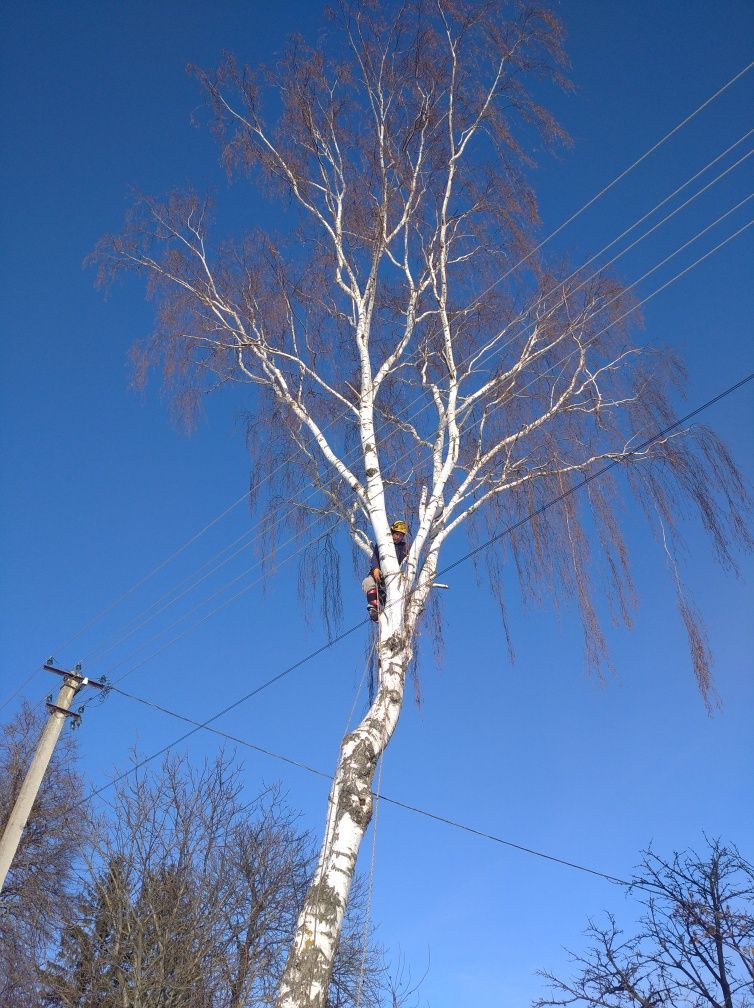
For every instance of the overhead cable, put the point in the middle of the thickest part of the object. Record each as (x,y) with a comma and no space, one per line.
(416,809)
(208,722)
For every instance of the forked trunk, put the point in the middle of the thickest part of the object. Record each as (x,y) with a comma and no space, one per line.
(307,973)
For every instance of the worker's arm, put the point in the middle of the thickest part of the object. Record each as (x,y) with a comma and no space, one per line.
(375,565)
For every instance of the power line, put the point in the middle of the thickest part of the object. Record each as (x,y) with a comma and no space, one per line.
(667,217)
(618,178)
(599,472)
(208,598)
(153,571)
(647,153)
(177,591)
(20,688)
(206,724)
(206,617)
(416,809)
(675,192)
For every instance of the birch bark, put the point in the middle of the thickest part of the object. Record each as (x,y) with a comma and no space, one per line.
(307,974)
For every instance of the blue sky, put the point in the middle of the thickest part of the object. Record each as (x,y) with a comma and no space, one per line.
(98,487)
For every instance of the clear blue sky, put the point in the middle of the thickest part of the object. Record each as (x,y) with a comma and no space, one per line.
(98,487)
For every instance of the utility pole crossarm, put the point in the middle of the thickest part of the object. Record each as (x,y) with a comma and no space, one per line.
(75,675)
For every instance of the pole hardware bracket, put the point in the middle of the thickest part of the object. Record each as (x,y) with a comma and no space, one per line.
(75,674)
(75,715)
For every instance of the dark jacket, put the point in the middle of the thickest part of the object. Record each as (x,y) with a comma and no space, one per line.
(401,549)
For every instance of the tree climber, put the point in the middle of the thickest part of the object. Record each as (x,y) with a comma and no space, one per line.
(373,584)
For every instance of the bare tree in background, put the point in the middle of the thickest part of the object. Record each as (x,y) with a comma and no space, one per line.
(190,898)
(693,948)
(38,882)
(409,353)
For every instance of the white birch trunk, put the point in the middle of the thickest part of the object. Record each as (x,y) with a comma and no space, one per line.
(307,974)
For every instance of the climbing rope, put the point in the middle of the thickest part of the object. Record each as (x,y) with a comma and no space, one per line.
(374,682)
(368,915)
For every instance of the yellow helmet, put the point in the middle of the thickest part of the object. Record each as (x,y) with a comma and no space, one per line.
(399,526)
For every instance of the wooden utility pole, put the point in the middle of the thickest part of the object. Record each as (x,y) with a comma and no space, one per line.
(59,711)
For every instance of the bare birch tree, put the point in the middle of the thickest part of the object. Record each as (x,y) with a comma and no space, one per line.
(409,353)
